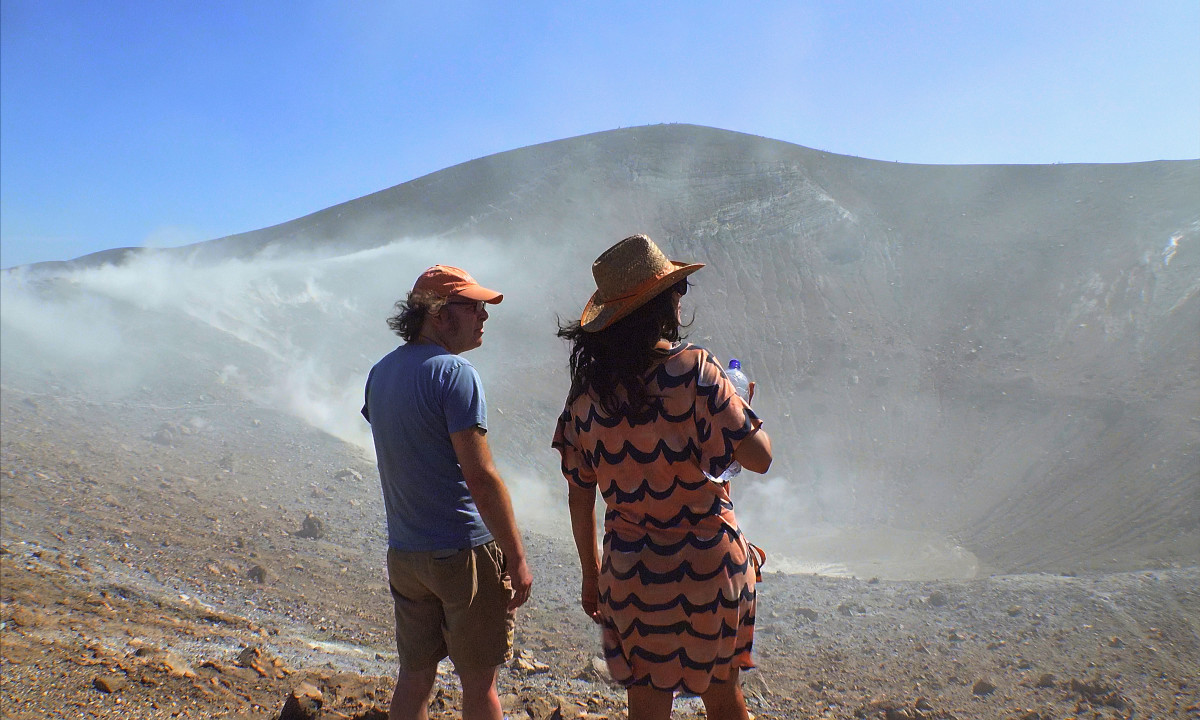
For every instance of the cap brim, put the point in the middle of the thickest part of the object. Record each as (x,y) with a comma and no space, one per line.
(478,292)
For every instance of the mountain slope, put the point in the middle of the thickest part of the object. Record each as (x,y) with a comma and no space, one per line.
(1006,357)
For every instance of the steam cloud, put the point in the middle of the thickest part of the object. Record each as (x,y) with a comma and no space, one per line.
(297,333)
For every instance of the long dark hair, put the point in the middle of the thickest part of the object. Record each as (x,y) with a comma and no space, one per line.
(616,357)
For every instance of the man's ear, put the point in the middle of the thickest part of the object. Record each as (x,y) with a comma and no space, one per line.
(437,317)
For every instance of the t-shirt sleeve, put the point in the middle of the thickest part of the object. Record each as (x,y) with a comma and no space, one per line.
(575,467)
(723,418)
(366,413)
(463,401)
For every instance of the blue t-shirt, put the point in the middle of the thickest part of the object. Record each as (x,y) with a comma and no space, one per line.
(416,396)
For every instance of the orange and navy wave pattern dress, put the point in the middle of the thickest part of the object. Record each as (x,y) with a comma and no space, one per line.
(677,589)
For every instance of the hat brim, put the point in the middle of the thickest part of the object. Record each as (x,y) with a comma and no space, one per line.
(478,292)
(599,315)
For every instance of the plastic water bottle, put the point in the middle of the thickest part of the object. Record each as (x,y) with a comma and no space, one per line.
(741,385)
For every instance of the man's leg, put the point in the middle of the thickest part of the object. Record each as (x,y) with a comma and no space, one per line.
(480,700)
(479,630)
(410,701)
(419,641)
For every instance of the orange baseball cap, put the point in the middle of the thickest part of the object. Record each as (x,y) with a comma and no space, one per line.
(447,281)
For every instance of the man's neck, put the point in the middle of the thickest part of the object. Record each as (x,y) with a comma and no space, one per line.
(427,340)
(429,337)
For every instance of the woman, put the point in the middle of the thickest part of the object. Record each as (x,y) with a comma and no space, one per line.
(650,422)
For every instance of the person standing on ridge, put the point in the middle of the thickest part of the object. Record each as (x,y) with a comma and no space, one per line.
(456,563)
(651,423)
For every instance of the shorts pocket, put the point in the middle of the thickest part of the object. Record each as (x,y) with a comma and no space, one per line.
(497,556)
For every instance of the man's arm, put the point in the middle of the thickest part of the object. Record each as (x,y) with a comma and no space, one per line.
(495,506)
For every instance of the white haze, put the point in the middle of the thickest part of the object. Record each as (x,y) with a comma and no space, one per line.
(297,332)
(313,324)
(293,332)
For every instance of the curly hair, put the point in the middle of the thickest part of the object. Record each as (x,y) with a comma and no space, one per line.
(615,358)
(412,311)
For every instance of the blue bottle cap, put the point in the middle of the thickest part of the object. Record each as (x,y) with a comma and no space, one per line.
(735,364)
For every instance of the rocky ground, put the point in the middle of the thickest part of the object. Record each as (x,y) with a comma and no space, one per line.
(214,560)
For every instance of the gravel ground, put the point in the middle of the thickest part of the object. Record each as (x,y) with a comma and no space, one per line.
(215,560)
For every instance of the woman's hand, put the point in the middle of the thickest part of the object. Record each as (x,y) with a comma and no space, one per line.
(582,503)
(590,596)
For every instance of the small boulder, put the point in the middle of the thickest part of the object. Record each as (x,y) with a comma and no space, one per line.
(849,608)
(264,664)
(313,527)
(596,671)
(26,617)
(526,664)
(109,683)
(300,707)
(540,708)
(983,687)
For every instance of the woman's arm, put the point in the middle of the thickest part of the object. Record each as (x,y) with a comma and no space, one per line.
(754,453)
(582,503)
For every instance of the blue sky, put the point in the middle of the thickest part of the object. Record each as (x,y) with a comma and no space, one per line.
(163,123)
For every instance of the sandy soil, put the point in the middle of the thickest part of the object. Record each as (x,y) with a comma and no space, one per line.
(210,559)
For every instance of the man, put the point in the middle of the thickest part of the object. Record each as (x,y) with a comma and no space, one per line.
(456,564)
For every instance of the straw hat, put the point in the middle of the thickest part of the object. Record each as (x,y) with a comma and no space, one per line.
(628,275)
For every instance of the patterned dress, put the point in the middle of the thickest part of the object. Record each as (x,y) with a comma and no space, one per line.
(677,592)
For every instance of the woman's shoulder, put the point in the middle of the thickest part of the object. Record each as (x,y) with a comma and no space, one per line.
(687,350)
(692,355)
(686,364)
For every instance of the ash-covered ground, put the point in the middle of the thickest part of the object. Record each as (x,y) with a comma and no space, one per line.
(213,559)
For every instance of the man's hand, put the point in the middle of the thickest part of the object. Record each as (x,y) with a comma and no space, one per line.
(522,584)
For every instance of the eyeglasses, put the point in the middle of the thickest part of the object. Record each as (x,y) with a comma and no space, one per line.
(680,287)
(475,305)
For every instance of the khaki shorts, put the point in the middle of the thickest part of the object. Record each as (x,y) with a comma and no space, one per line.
(452,602)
